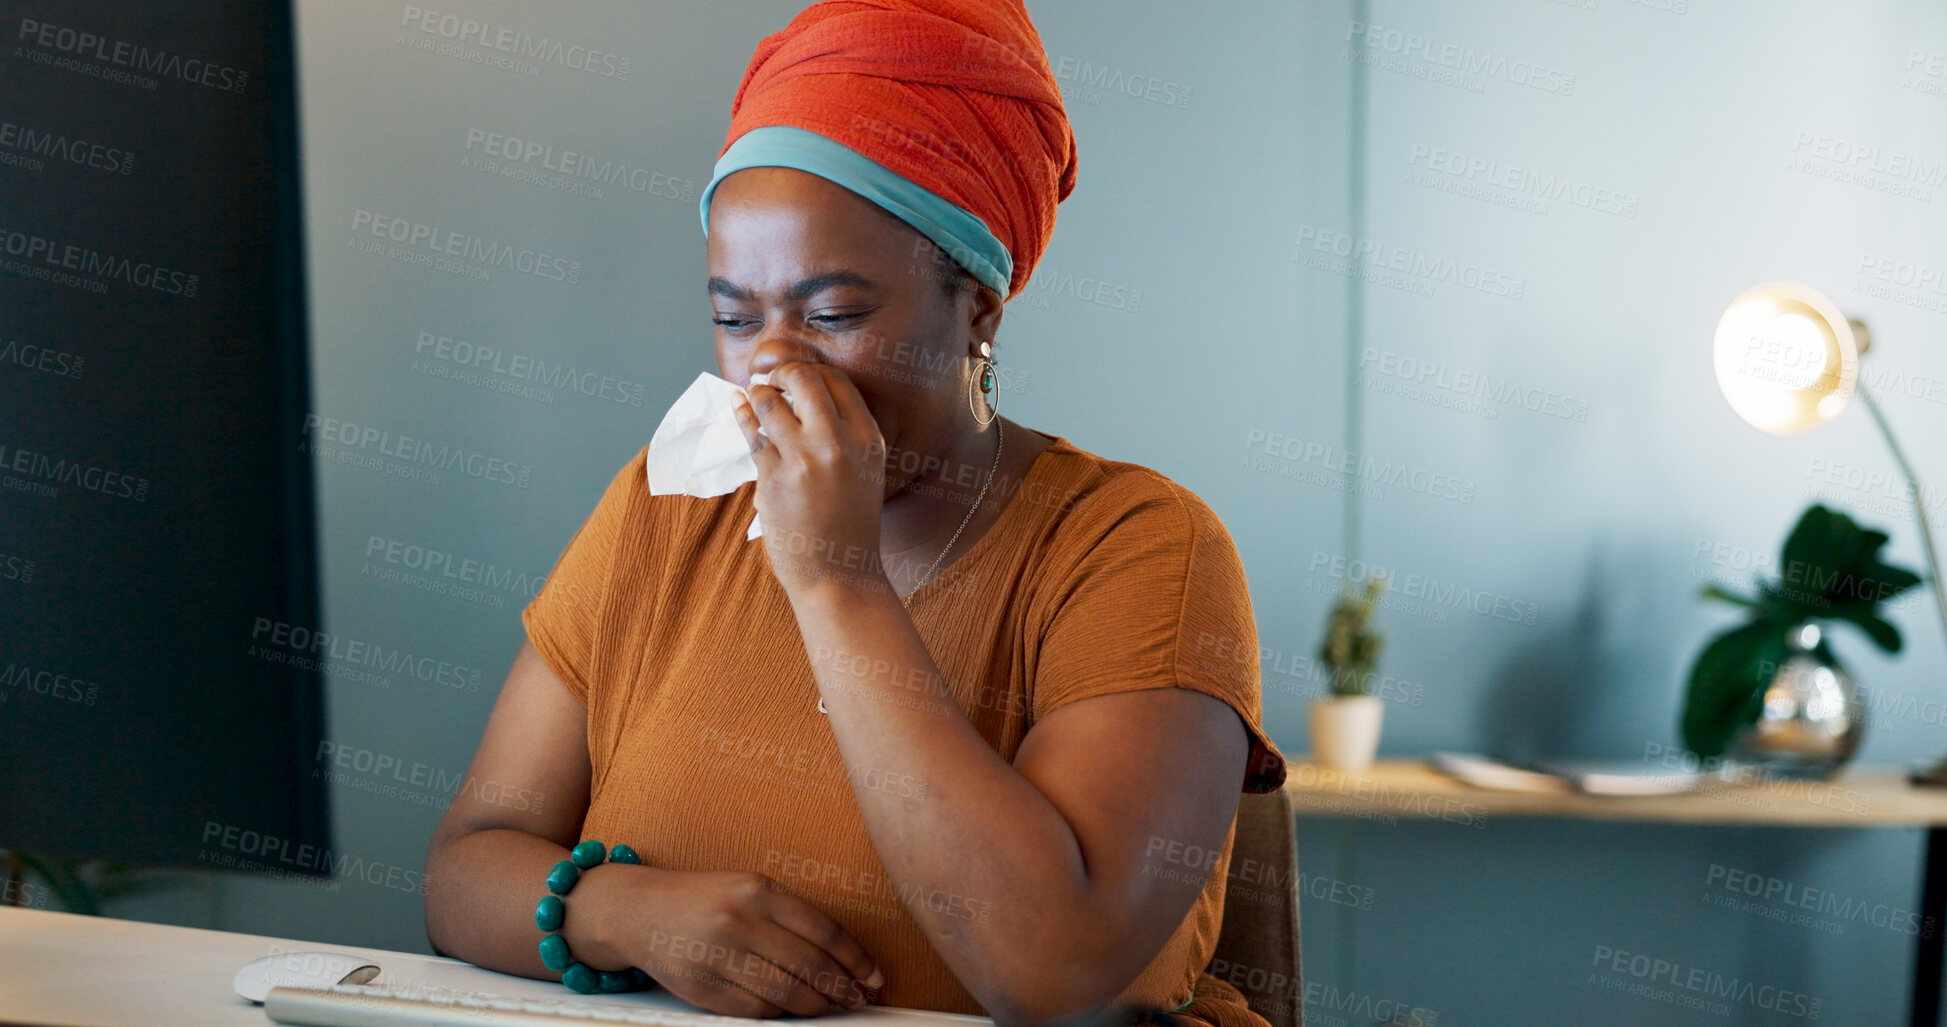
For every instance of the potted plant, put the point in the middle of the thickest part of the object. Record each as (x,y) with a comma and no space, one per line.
(1345,725)
(81,885)
(1770,692)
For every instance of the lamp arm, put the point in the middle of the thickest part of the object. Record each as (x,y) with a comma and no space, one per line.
(1919,501)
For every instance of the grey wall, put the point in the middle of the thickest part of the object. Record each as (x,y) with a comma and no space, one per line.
(1605,511)
(1181,320)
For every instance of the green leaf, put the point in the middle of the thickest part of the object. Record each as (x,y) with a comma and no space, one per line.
(1894,579)
(1727,684)
(1716,591)
(1882,631)
(1817,540)
(1829,562)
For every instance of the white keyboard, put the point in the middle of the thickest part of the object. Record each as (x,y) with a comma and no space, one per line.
(396,1005)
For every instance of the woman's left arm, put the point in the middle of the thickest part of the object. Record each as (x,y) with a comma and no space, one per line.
(1049,884)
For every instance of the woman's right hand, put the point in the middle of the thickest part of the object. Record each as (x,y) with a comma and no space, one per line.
(729,942)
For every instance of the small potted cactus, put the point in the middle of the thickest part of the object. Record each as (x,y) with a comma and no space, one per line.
(1345,725)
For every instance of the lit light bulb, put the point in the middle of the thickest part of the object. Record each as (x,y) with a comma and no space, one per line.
(1786,358)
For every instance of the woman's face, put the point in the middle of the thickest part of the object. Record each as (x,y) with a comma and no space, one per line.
(803,269)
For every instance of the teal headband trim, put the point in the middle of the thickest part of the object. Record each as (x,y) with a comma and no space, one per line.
(951,227)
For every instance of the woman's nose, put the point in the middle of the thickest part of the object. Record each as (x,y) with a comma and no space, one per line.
(775,349)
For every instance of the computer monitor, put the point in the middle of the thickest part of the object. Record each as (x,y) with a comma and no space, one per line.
(157,554)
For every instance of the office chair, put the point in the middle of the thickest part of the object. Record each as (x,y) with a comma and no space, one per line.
(1257,945)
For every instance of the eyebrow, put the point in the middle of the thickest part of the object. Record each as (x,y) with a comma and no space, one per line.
(801,290)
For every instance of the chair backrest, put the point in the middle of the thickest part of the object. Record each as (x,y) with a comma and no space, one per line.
(1257,946)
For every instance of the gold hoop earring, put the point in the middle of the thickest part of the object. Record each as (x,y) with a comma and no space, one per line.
(983,378)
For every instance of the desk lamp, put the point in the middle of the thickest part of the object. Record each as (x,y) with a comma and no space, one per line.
(1787,361)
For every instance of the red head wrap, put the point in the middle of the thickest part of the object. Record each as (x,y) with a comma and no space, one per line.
(956,96)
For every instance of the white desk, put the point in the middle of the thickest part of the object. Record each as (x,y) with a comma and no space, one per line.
(63,970)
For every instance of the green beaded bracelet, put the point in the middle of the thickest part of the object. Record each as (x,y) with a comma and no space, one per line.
(551,912)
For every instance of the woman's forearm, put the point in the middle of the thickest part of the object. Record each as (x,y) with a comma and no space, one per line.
(987,865)
(481,889)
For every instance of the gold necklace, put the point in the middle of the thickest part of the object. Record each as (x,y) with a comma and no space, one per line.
(1000,442)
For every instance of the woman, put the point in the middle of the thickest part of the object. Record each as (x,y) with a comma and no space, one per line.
(968,732)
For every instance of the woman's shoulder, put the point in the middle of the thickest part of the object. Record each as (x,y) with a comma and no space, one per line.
(1094,494)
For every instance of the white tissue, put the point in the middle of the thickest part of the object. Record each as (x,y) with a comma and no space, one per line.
(699,450)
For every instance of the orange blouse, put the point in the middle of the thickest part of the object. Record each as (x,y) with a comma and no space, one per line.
(709,752)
